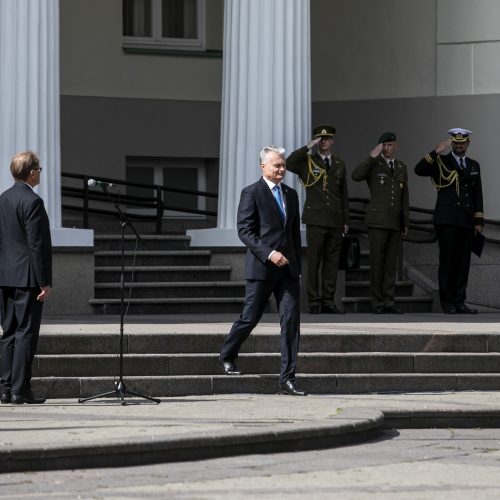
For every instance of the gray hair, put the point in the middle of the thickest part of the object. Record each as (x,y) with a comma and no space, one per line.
(270,149)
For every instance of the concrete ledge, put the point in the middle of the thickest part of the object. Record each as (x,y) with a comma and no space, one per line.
(348,427)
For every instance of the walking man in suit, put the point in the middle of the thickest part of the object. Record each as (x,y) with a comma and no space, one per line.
(268,224)
(387,218)
(25,277)
(325,214)
(458,215)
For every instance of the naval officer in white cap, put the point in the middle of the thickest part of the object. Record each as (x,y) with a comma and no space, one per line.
(458,215)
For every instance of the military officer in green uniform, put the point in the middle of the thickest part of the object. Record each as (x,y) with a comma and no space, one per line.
(387,218)
(325,214)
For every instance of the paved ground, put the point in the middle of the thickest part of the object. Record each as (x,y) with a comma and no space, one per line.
(64,433)
(433,464)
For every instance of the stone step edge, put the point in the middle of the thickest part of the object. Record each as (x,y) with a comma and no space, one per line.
(167,237)
(156,269)
(172,284)
(180,300)
(349,426)
(423,299)
(153,253)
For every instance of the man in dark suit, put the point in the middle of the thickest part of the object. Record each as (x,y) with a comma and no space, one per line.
(269,225)
(458,215)
(25,277)
(387,218)
(325,214)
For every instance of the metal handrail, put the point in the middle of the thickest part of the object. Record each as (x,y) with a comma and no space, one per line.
(86,195)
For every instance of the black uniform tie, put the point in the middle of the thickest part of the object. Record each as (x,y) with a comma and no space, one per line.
(327,163)
(391,165)
(462,166)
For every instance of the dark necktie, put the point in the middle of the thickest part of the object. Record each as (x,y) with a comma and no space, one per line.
(327,163)
(391,165)
(279,201)
(462,166)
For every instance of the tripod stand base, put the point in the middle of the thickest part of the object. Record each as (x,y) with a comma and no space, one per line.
(120,392)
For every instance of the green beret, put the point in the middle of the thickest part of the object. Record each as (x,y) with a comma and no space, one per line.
(387,137)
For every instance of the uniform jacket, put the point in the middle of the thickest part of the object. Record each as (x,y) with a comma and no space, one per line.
(261,229)
(25,244)
(460,203)
(325,205)
(389,197)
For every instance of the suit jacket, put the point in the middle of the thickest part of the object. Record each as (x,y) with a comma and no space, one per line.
(461,202)
(25,244)
(389,197)
(261,229)
(327,204)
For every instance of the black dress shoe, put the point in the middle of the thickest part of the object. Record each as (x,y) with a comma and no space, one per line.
(5,397)
(393,310)
(28,398)
(291,389)
(378,310)
(463,309)
(228,367)
(331,310)
(314,310)
(449,310)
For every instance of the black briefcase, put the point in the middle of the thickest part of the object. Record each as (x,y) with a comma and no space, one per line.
(350,253)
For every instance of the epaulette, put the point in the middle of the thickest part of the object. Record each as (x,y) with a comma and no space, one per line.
(429,159)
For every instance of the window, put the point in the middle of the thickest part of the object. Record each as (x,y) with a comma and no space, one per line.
(174,173)
(164,24)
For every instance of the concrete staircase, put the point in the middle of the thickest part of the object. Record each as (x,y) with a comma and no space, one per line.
(357,291)
(169,277)
(173,364)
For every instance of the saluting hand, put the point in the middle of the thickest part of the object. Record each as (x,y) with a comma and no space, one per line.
(376,150)
(313,142)
(442,146)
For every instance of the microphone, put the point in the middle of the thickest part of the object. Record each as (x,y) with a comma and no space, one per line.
(101,184)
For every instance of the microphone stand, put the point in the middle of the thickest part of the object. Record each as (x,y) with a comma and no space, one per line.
(120,390)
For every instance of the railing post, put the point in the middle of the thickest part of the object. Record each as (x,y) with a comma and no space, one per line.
(159,209)
(400,260)
(85,203)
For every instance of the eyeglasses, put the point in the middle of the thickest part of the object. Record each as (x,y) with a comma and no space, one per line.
(39,169)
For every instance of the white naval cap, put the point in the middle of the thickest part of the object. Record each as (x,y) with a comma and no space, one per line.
(459,134)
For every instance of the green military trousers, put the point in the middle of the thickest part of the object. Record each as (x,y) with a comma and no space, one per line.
(384,250)
(323,253)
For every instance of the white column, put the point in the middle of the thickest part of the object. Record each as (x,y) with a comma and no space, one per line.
(266,97)
(29,98)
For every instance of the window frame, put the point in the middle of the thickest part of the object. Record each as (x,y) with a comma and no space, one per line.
(157,42)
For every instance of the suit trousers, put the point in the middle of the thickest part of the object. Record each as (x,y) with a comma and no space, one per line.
(384,250)
(20,315)
(455,245)
(287,293)
(323,254)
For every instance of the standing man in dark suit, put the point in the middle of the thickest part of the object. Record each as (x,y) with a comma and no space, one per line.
(325,214)
(25,277)
(387,218)
(269,225)
(458,215)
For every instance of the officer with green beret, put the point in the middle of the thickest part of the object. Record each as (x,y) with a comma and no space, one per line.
(387,217)
(325,214)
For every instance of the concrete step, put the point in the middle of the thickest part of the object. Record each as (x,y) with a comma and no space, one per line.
(362,288)
(54,343)
(264,363)
(172,289)
(194,305)
(112,274)
(408,304)
(153,258)
(361,274)
(147,242)
(168,386)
